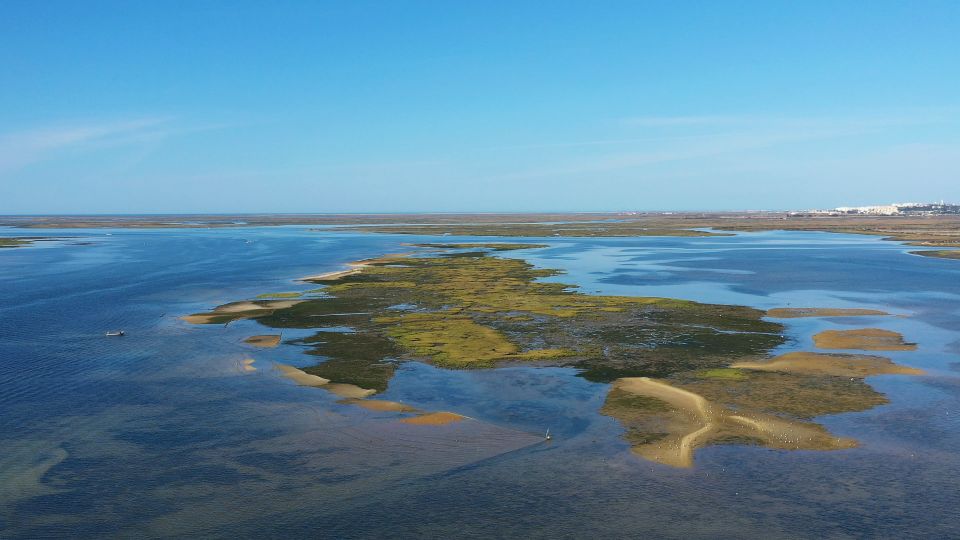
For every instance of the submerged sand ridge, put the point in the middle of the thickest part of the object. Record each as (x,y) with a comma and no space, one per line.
(380,405)
(866,339)
(434,419)
(355,395)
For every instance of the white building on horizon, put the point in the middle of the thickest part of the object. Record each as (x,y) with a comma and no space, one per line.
(883,210)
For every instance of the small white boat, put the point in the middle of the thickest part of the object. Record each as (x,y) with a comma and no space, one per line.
(115,333)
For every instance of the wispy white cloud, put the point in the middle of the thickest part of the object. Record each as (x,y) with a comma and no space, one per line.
(597,142)
(673,121)
(19,149)
(693,129)
(738,135)
(925,116)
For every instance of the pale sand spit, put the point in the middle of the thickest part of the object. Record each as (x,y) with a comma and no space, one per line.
(303,378)
(265,341)
(693,422)
(793,313)
(839,365)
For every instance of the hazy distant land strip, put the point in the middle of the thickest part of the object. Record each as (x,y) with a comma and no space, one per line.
(935,231)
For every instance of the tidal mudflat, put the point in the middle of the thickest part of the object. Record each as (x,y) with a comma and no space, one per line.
(681,386)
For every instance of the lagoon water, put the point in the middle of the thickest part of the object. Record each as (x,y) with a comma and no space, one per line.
(163,433)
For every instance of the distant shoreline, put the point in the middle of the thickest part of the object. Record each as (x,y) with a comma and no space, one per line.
(921,231)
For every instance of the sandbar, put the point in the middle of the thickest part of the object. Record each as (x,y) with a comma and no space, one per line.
(354,267)
(239,308)
(867,339)
(333,276)
(350,391)
(793,313)
(198,318)
(265,341)
(839,365)
(301,377)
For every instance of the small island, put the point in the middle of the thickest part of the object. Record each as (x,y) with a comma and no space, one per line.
(865,339)
(682,374)
(22,241)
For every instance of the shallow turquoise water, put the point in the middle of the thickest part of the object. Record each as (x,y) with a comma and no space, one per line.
(161,433)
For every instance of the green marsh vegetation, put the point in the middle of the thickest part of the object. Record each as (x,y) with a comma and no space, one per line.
(18,242)
(268,296)
(463,307)
(939,253)
(12,242)
(460,306)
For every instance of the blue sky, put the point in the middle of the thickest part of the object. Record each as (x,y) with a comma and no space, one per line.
(476,106)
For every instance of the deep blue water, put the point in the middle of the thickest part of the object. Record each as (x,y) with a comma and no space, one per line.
(162,434)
